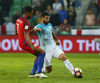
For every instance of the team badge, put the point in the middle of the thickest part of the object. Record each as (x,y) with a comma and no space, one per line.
(26,26)
(50,27)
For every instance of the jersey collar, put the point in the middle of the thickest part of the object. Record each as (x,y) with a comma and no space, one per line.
(23,17)
(43,24)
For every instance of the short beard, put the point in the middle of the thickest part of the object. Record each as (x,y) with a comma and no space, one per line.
(45,23)
(29,17)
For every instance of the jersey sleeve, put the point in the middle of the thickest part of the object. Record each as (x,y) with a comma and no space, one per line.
(36,27)
(26,26)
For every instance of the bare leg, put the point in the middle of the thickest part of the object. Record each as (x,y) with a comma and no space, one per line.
(47,69)
(67,63)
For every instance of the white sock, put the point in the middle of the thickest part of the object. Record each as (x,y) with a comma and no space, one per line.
(68,65)
(44,70)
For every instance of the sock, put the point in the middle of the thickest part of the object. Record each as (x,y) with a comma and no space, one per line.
(35,66)
(68,65)
(40,62)
(44,70)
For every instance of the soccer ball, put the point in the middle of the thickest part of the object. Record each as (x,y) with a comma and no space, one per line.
(77,73)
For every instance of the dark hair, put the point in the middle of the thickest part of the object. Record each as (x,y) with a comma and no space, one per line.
(43,14)
(28,9)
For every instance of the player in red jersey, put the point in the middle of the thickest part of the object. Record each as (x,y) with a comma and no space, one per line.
(23,31)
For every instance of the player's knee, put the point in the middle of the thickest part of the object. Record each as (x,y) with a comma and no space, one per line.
(40,50)
(62,57)
(49,69)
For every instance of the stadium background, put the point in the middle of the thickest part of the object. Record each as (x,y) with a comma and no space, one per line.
(80,31)
(78,44)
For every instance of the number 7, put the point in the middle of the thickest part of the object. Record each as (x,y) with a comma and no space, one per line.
(17,27)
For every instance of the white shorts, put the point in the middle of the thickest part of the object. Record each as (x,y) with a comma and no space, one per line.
(53,53)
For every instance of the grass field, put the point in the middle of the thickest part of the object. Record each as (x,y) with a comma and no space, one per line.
(15,68)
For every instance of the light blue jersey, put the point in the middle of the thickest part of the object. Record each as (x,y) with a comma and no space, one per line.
(46,39)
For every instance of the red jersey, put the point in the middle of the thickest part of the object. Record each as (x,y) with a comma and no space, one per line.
(22,25)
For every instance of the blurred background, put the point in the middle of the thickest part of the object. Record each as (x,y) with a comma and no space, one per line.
(68,17)
(75,22)
(77,26)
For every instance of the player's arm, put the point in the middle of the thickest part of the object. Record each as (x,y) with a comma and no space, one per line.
(37,29)
(27,38)
(33,31)
(55,38)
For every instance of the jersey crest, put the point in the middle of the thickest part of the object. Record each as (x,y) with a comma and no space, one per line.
(26,26)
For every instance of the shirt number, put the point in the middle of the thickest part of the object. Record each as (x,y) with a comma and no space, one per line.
(17,27)
(48,34)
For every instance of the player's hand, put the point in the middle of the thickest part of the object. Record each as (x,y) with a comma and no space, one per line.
(33,47)
(57,42)
(39,29)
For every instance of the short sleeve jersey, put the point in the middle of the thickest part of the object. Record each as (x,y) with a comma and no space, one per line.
(46,39)
(22,25)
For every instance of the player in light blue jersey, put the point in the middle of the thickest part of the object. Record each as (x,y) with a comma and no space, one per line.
(47,43)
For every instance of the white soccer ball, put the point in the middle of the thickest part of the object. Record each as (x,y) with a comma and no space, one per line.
(77,72)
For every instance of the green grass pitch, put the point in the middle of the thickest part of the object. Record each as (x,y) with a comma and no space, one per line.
(15,68)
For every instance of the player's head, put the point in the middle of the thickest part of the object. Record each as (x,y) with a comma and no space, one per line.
(28,12)
(45,17)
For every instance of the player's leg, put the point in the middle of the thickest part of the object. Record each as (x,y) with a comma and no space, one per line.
(38,63)
(61,56)
(67,63)
(27,48)
(34,69)
(37,66)
(47,62)
(47,69)
(41,54)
